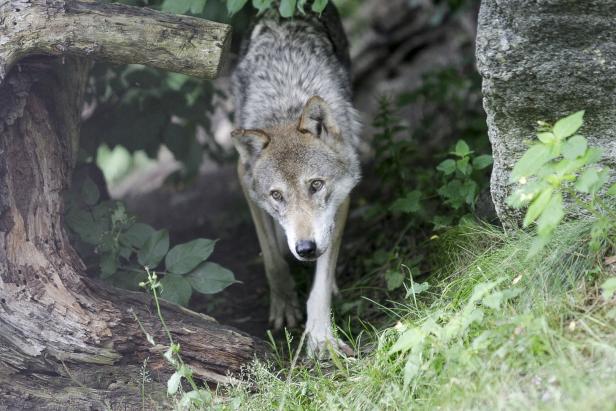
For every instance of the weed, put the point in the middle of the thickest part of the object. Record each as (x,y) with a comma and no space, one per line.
(561,163)
(196,397)
(121,246)
(492,331)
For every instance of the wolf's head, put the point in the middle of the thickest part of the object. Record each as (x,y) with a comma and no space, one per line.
(300,173)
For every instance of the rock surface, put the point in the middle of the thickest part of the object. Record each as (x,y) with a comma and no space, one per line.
(541,60)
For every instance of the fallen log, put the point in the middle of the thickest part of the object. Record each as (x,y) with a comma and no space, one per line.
(67,341)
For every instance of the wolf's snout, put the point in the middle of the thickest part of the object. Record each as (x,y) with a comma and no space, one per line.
(306,248)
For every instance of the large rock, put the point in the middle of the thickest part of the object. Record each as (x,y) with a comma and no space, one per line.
(541,60)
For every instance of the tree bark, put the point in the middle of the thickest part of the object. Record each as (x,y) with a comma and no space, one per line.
(111,32)
(67,341)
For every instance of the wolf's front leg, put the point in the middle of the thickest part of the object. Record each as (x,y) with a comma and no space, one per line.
(284,307)
(319,323)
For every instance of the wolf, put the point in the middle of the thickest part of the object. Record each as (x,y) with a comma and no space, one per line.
(297,140)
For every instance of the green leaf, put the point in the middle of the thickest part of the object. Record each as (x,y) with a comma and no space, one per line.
(287,8)
(588,179)
(154,249)
(412,367)
(185,257)
(480,290)
(174,383)
(210,278)
(462,149)
(493,300)
(169,355)
(538,205)
(89,228)
(409,339)
(442,221)
(612,190)
(233,6)
(567,126)
(539,242)
(469,191)
(482,161)
(137,235)
(525,193)
(535,157)
(119,216)
(261,5)
(108,265)
(197,398)
(176,6)
(176,289)
(416,288)
(319,5)
(125,252)
(447,167)
(453,193)
(300,6)
(609,288)
(593,154)
(394,279)
(591,180)
(551,216)
(599,232)
(197,6)
(410,203)
(463,166)
(186,371)
(89,192)
(574,147)
(546,138)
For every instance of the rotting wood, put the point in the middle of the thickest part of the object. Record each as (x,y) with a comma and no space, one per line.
(67,341)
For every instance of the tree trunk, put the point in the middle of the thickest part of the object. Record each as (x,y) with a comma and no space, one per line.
(67,341)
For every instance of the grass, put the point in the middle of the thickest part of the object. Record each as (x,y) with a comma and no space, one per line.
(493,331)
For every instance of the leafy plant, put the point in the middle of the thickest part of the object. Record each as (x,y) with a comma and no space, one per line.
(141,108)
(460,188)
(122,247)
(417,196)
(562,164)
(409,197)
(429,343)
(493,330)
(196,397)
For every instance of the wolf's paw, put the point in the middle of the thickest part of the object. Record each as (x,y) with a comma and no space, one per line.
(284,310)
(321,344)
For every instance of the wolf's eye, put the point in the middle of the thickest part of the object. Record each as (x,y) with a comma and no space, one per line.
(276,195)
(316,185)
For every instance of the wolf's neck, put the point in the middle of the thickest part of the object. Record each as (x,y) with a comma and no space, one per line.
(285,64)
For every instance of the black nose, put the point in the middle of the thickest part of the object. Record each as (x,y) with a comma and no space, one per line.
(306,249)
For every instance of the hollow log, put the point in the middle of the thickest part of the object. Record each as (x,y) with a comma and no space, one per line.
(67,341)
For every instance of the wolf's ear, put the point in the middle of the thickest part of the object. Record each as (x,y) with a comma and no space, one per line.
(249,143)
(317,119)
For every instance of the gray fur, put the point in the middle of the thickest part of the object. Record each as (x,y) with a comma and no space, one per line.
(284,63)
(297,125)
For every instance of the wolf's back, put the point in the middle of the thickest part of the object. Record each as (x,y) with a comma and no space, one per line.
(284,62)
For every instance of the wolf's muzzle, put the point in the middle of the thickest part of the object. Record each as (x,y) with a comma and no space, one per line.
(306,249)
